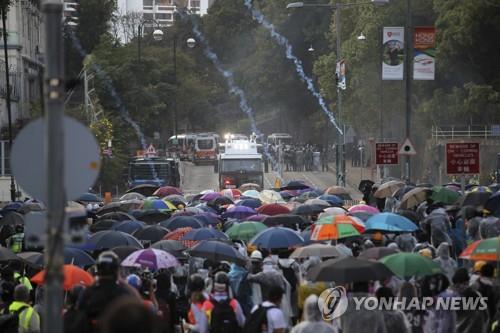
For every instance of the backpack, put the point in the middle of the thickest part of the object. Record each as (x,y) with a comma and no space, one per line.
(223,318)
(9,322)
(289,274)
(257,321)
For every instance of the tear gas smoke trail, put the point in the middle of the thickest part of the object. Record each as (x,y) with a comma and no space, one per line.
(108,83)
(233,88)
(259,17)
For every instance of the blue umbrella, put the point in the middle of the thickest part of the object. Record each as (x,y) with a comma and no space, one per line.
(239,212)
(208,218)
(277,238)
(217,252)
(129,227)
(77,257)
(89,197)
(390,222)
(204,234)
(177,222)
(252,203)
(110,238)
(206,208)
(332,199)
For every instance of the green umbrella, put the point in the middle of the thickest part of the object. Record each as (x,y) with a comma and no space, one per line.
(245,230)
(444,195)
(407,265)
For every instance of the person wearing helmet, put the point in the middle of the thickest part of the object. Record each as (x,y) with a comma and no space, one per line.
(197,318)
(224,313)
(105,290)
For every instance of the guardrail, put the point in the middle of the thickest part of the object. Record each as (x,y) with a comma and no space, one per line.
(459,132)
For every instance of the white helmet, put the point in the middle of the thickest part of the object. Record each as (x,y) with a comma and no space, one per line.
(256,255)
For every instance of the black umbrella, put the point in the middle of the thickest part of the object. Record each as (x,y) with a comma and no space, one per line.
(493,204)
(289,220)
(12,218)
(174,247)
(6,254)
(124,251)
(101,225)
(144,189)
(72,256)
(477,199)
(307,210)
(410,215)
(217,251)
(375,253)
(152,233)
(220,201)
(295,185)
(177,222)
(110,238)
(365,185)
(151,216)
(117,216)
(349,269)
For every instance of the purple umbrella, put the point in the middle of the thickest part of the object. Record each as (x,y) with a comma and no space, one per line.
(257,217)
(210,196)
(208,218)
(239,212)
(152,259)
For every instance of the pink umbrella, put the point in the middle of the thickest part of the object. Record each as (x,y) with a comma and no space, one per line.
(167,190)
(210,196)
(363,208)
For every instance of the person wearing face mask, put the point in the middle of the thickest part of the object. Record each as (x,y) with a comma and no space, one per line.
(448,264)
(313,322)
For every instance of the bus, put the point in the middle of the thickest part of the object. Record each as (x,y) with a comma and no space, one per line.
(183,145)
(279,138)
(157,171)
(206,146)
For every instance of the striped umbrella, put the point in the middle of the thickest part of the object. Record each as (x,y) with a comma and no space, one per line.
(485,249)
(342,219)
(333,231)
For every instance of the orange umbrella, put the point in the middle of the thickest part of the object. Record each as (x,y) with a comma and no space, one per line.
(342,219)
(333,231)
(73,275)
(178,234)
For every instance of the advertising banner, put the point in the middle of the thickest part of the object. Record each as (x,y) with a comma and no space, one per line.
(340,75)
(393,53)
(424,50)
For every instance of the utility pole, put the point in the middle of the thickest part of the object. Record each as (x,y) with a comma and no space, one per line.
(408,76)
(54,159)
(176,87)
(341,136)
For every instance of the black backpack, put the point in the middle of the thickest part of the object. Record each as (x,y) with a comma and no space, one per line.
(222,318)
(257,321)
(9,322)
(289,274)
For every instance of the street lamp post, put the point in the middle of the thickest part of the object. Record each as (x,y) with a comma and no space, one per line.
(341,170)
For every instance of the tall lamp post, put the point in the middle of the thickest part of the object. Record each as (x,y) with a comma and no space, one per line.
(341,171)
(7,94)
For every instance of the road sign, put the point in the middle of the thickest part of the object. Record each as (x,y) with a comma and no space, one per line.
(462,158)
(407,148)
(387,153)
(81,159)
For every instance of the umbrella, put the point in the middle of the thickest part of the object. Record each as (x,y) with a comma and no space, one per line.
(494,187)
(157,204)
(12,218)
(231,193)
(365,185)
(414,197)
(347,270)
(273,209)
(387,189)
(208,219)
(307,210)
(277,238)
(270,197)
(103,225)
(333,231)
(129,227)
(239,212)
(284,220)
(77,257)
(316,250)
(178,234)
(151,216)
(333,211)
(257,217)
(117,216)
(34,259)
(132,196)
(444,195)
(73,276)
(252,203)
(390,222)
(317,202)
(12,207)
(254,194)
(339,191)
(176,199)
(167,190)
(249,187)
(220,201)
(363,216)
(342,219)
(493,204)
(152,233)
(295,185)
(485,249)
(406,265)
(476,198)
(245,230)
(177,222)
(123,251)
(402,191)
(108,239)
(6,254)
(172,246)
(375,253)
(89,197)
(188,211)
(210,196)
(144,189)
(333,200)
(478,188)
(204,234)
(217,252)
(152,259)
(31,207)
(363,208)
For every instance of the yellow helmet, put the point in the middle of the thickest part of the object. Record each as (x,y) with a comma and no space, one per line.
(426,253)
(478,265)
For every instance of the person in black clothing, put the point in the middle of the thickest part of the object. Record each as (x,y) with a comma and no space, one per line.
(72,316)
(167,302)
(105,291)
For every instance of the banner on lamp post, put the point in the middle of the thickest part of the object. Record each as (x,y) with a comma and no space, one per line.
(424,45)
(393,53)
(340,75)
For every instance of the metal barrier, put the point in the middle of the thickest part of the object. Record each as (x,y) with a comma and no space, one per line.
(471,131)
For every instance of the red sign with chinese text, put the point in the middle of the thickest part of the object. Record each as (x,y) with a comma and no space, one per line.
(387,153)
(462,158)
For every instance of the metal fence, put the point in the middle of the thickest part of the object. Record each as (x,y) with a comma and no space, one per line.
(15,83)
(469,131)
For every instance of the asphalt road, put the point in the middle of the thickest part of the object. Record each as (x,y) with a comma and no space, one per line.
(195,179)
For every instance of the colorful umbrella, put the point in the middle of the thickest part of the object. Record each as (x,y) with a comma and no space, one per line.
(444,195)
(273,209)
(73,275)
(210,196)
(204,234)
(245,230)
(342,219)
(277,238)
(406,265)
(178,234)
(156,204)
(484,249)
(333,231)
(152,259)
(390,222)
(363,208)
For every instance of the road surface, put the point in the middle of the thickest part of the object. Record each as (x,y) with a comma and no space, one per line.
(202,177)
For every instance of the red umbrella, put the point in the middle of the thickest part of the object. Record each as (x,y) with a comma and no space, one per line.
(167,190)
(178,234)
(273,209)
(73,275)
